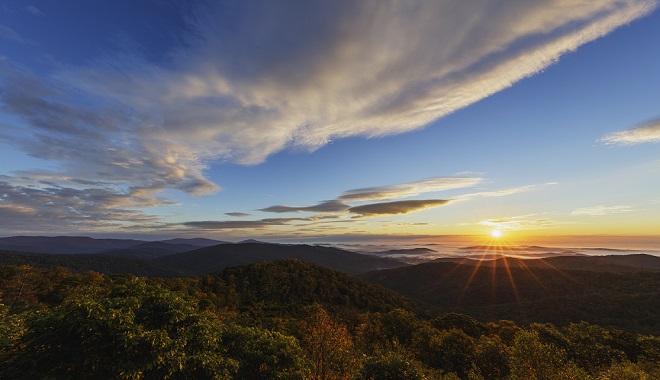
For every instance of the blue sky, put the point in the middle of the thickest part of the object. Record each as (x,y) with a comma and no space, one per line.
(158,118)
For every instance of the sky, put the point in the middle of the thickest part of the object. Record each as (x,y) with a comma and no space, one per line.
(317,119)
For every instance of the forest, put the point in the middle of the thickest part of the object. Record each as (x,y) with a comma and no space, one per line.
(283,320)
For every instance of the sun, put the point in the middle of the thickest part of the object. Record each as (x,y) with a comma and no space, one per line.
(496,234)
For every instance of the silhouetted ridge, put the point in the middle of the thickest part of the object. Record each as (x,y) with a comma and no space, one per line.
(64,244)
(216,258)
(617,290)
(151,250)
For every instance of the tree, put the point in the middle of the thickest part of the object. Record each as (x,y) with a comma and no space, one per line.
(462,322)
(264,354)
(138,332)
(391,366)
(589,346)
(400,324)
(623,371)
(532,359)
(491,357)
(329,346)
(12,328)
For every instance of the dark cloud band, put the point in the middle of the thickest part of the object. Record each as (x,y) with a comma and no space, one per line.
(397,207)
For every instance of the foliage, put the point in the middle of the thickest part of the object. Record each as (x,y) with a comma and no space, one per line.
(264,354)
(392,366)
(491,357)
(329,346)
(283,320)
(532,359)
(528,293)
(136,331)
(623,371)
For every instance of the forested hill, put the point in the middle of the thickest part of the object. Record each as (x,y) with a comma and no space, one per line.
(280,320)
(215,258)
(534,290)
(160,259)
(621,263)
(108,264)
(87,245)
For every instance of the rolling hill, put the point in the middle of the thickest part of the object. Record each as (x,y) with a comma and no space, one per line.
(161,259)
(64,244)
(150,250)
(616,292)
(107,264)
(87,245)
(216,258)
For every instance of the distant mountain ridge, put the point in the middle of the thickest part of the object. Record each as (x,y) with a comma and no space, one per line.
(64,244)
(88,245)
(163,259)
(150,250)
(218,257)
(407,251)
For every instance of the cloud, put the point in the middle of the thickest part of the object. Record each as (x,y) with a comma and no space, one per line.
(39,207)
(648,132)
(602,210)
(258,223)
(409,189)
(519,222)
(230,92)
(9,34)
(397,207)
(237,214)
(34,10)
(326,206)
(381,193)
(502,192)
(237,224)
(86,140)
(265,76)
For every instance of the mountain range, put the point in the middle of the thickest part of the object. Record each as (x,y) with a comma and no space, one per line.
(175,257)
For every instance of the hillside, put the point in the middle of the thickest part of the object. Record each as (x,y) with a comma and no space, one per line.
(88,245)
(64,244)
(280,320)
(196,242)
(287,286)
(407,251)
(609,263)
(532,290)
(216,258)
(160,259)
(109,264)
(152,249)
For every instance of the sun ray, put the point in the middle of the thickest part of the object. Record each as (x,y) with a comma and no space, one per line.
(511,279)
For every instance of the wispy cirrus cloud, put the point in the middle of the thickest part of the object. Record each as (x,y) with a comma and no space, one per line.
(267,76)
(502,192)
(602,210)
(258,223)
(648,132)
(409,189)
(11,35)
(34,10)
(34,207)
(520,222)
(238,224)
